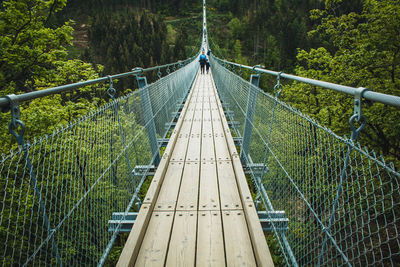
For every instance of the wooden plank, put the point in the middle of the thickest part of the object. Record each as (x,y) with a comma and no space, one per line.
(210,244)
(238,248)
(155,243)
(133,244)
(180,148)
(221,148)
(186,124)
(207,127)
(206,112)
(157,180)
(188,192)
(207,148)
(182,247)
(260,246)
(241,180)
(193,150)
(228,191)
(208,195)
(169,191)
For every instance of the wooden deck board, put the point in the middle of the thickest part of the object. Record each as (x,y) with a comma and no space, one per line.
(207,148)
(208,191)
(155,242)
(238,246)
(169,191)
(210,243)
(188,193)
(182,247)
(228,190)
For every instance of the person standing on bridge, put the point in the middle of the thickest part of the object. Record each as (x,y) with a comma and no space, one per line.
(203,59)
(207,66)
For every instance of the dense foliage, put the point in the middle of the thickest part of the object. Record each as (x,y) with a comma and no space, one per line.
(33,56)
(360,50)
(354,43)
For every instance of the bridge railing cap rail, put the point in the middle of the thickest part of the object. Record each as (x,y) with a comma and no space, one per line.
(367,94)
(5,102)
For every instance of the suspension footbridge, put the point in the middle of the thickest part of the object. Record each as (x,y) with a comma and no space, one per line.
(194,170)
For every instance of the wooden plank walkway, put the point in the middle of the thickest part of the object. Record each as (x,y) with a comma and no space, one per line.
(198,210)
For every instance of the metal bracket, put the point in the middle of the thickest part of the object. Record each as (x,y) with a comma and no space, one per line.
(258,169)
(237,141)
(126,223)
(147,170)
(169,125)
(139,70)
(258,66)
(278,87)
(358,101)
(111,91)
(233,124)
(357,116)
(14,108)
(270,221)
(15,118)
(273,220)
(163,142)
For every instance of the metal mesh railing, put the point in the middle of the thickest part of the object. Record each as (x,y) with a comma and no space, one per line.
(342,202)
(58,192)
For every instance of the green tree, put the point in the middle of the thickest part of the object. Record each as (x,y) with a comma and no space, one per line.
(33,57)
(363,51)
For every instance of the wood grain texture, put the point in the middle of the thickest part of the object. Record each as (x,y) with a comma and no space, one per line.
(228,190)
(155,243)
(210,243)
(238,245)
(189,190)
(182,247)
(209,193)
(168,195)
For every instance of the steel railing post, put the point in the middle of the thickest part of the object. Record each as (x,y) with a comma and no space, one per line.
(248,124)
(149,118)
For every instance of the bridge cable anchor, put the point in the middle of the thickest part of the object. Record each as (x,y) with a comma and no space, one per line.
(111,91)
(357,116)
(16,119)
(278,87)
(159,74)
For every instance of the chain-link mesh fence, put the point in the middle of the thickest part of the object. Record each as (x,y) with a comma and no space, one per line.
(58,192)
(343,203)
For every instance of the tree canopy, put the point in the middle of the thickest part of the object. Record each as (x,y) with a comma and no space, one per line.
(360,50)
(33,56)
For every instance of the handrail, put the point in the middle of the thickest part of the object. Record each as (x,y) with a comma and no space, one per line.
(367,94)
(5,102)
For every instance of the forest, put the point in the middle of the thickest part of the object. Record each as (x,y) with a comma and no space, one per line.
(47,43)
(354,43)
(73,40)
